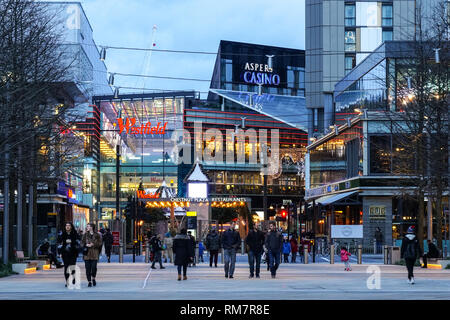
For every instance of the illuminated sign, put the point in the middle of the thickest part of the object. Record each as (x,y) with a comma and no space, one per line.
(143,195)
(147,128)
(260,74)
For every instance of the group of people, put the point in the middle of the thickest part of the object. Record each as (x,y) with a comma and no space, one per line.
(89,244)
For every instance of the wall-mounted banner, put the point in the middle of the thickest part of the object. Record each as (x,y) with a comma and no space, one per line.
(129,126)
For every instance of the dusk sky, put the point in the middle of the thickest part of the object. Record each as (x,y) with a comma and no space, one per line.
(194,25)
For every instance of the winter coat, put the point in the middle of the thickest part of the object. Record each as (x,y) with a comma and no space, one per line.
(274,241)
(182,249)
(108,239)
(231,239)
(286,247)
(378,236)
(294,245)
(255,241)
(201,248)
(410,247)
(212,241)
(193,245)
(69,251)
(94,251)
(156,244)
(344,255)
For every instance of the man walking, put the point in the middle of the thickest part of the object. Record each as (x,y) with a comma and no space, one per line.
(255,243)
(230,243)
(274,245)
(108,240)
(212,244)
(157,248)
(410,251)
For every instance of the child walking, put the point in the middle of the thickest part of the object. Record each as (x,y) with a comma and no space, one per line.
(344,257)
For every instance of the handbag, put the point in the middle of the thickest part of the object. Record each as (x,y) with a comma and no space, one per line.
(85,251)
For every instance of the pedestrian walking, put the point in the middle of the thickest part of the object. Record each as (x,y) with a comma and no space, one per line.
(274,245)
(91,244)
(212,244)
(157,248)
(345,258)
(255,247)
(410,251)
(193,247)
(168,242)
(230,243)
(68,248)
(286,250)
(182,249)
(294,249)
(108,240)
(201,249)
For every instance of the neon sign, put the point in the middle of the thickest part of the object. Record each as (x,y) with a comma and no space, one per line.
(260,74)
(143,195)
(130,127)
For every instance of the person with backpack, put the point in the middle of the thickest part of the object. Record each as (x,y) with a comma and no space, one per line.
(212,244)
(410,251)
(157,248)
(345,258)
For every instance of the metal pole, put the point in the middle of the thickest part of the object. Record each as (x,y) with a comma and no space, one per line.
(30,220)
(359,253)
(147,253)
(374,246)
(386,254)
(305,254)
(121,252)
(332,254)
(134,252)
(6,210)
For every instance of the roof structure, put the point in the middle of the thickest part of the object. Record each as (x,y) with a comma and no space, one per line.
(196,174)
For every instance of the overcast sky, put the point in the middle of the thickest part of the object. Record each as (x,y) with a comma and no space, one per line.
(195,25)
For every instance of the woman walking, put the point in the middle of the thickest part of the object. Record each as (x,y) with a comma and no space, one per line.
(182,249)
(91,244)
(410,251)
(68,246)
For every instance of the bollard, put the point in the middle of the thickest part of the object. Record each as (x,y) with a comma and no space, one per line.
(121,253)
(242,246)
(359,253)
(332,254)
(386,254)
(147,253)
(305,255)
(221,256)
(375,246)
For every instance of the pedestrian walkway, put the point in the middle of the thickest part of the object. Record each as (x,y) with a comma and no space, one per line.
(121,281)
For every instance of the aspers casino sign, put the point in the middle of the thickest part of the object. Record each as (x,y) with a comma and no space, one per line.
(259,73)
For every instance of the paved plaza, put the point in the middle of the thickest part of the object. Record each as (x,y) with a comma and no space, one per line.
(294,281)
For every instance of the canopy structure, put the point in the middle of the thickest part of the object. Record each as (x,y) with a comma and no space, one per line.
(334,199)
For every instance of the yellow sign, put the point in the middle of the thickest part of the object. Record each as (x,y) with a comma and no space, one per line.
(52,214)
(191,213)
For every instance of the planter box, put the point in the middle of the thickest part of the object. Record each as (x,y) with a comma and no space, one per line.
(444,263)
(19,267)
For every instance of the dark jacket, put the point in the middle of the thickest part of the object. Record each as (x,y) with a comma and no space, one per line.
(212,241)
(230,239)
(255,241)
(193,244)
(156,244)
(94,251)
(108,239)
(182,249)
(69,251)
(274,241)
(410,247)
(378,236)
(294,245)
(433,252)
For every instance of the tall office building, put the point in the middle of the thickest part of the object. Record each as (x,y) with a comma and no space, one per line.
(340,34)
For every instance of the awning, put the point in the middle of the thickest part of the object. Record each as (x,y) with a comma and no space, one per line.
(334,198)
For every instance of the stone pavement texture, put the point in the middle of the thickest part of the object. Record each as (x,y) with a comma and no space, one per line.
(138,281)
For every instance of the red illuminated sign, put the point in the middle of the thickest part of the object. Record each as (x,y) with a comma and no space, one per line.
(130,128)
(142,195)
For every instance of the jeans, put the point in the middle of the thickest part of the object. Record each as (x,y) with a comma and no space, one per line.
(230,260)
(286,257)
(347,264)
(157,258)
(184,269)
(410,267)
(91,269)
(252,258)
(274,262)
(213,255)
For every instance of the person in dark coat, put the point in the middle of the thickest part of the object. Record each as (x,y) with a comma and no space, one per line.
(433,252)
(254,242)
(274,245)
(182,249)
(410,251)
(212,244)
(230,243)
(378,239)
(68,247)
(157,249)
(193,245)
(294,248)
(108,240)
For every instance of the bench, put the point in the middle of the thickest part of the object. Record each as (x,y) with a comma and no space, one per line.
(21,257)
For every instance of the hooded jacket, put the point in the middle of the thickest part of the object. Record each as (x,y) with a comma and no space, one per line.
(182,249)
(410,247)
(212,241)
